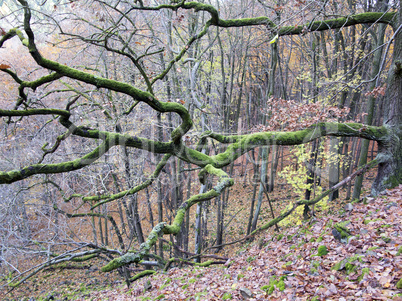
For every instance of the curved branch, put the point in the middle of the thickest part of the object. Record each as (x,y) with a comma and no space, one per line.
(276,220)
(163,228)
(110,84)
(16,175)
(241,144)
(12,33)
(149,181)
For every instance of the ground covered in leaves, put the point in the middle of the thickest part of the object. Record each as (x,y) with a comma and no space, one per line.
(354,255)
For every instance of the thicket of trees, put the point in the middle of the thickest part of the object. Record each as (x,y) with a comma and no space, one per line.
(112,109)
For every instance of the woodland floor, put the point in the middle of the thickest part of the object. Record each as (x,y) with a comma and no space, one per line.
(276,266)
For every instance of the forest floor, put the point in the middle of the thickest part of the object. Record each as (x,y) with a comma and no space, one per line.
(304,262)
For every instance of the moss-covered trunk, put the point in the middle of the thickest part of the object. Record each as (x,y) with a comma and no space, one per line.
(390,152)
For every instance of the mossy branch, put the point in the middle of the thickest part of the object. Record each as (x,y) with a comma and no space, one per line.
(163,228)
(12,33)
(142,274)
(113,85)
(192,263)
(241,144)
(363,18)
(31,112)
(77,257)
(16,175)
(145,184)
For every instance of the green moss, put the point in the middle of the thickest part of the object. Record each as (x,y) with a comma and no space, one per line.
(281,285)
(322,251)
(227,296)
(399,251)
(274,283)
(250,259)
(161,296)
(185,286)
(347,264)
(364,272)
(367,221)
(315,264)
(342,229)
(350,267)
(167,281)
(385,238)
(192,280)
(399,284)
(240,276)
(142,274)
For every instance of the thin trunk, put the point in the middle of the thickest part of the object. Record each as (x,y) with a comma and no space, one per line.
(264,169)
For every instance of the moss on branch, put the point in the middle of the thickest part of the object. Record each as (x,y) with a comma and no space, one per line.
(363,18)
(245,143)
(16,175)
(12,33)
(142,274)
(145,184)
(30,112)
(163,228)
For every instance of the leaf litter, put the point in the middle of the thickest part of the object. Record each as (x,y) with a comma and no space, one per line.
(371,256)
(280,266)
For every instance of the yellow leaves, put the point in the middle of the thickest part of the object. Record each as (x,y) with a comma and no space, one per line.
(274,39)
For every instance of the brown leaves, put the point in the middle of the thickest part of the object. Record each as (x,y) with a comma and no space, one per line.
(289,115)
(2,32)
(306,275)
(4,66)
(377,91)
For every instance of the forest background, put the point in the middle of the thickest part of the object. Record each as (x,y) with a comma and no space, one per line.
(253,93)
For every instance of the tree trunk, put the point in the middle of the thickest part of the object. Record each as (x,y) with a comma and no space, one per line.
(390,152)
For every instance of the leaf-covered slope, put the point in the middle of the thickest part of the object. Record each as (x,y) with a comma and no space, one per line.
(361,261)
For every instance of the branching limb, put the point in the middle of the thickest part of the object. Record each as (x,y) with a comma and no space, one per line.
(12,33)
(110,84)
(174,228)
(241,144)
(68,256)
(16,175)
(133,190)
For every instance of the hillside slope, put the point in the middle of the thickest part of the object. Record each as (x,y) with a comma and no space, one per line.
(308,262)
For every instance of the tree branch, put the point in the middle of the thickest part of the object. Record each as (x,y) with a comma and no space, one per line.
(174,228)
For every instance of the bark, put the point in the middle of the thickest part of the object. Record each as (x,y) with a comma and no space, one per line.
(390,151)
